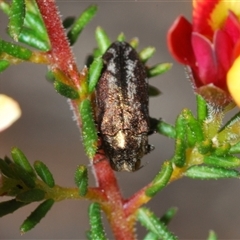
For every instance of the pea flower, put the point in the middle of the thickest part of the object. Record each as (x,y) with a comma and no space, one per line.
(9,111)
(210,48)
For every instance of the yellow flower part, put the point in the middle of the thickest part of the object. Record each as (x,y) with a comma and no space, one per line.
(233,80)
(9,111)
(221,11)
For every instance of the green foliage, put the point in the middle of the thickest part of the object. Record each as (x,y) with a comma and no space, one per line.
(10,206)
(81,23)
(166,129)
(165,219)
(27,179)
(226,161)
(29,37)
(168,216)
(81,180)
(153,91)
(161,180)
(36,216)
(146,54)
(134,42)
(32,195)
(97,231)
(180,144)
(89,132)
(103,40)
(121,37)
(66,90)
(207,173)
(16,18)
(158,69)
(4,64)
(202,110)
(154,225)
(20,159)
(44,173)
(68,22)
(235,148)
(15,50)
(212,236)
(94,73)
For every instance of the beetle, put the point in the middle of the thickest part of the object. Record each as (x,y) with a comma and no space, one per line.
(122,107)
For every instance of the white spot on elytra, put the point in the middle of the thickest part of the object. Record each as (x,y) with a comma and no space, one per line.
(121,140)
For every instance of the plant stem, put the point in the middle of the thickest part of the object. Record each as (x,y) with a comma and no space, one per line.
(60,53)
(113,207)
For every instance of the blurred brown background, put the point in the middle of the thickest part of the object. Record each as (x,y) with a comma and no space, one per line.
(47,132)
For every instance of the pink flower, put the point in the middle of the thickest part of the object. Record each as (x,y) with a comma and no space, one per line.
(210,47)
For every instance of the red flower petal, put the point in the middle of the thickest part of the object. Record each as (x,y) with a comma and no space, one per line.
(236,51)
(232,27)
(202,15)
(207,66)
(179,41)
(223,47)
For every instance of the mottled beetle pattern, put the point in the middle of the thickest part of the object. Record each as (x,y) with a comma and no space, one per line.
(122,107)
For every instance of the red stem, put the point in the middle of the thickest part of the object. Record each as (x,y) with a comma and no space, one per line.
(114,209)
(60,53)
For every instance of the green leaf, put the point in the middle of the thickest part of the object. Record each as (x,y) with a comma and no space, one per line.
(80,23)
(134,43)
(205,146)
(33,21)
(36,216)
(89,132)
(227,161)
(97,232)
(153,224)
(196,131)
(50,76)
(32,195)
(235,149)
(166,129)
(222,150)
(103,40)
(68,22)
(202,110)
(206,172)
(16,18)
(231,122)
(158,69)
(5,7)
(44,173)
(146,53)
(4,64)
(10,206)
(180,143)
(153,91)
(7,170)
(23,175)
(15,50)
(151,236)
(81,180)
(230,131)
(212,236)
(161,180)
(20,159)
(66,90)
(168,216)
(94,73)
(121,37)
(29,37)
